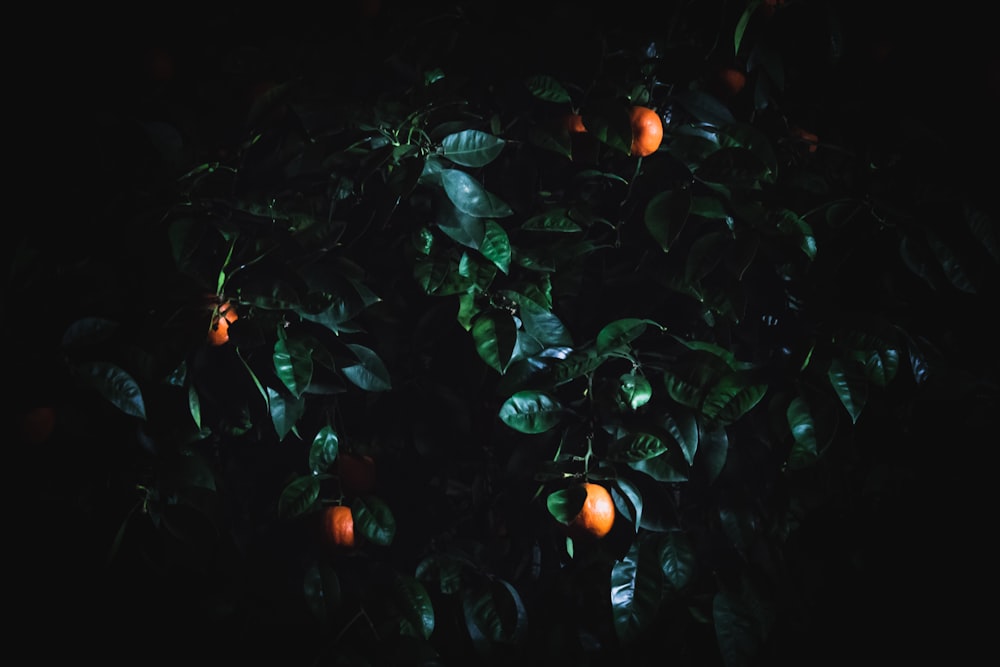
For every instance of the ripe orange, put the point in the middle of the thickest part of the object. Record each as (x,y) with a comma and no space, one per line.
(806,137)
(574,122)
(356,473)
(218,332)
(37,424)
(647,130)
(731,81)
(597,515)
(338,526)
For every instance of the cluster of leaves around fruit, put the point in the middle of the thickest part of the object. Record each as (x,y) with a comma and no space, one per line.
(638,320)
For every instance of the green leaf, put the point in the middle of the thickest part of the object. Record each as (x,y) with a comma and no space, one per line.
(620,333)
(636,590)
(546,88)
(496,246)
(472,148)
(285,413)
(848,381)
(324,450)
(741,25)
(373,520)
(470,197)
(321,587)
(553,221)
(731,398)
(565,504)
(415,607)
(293,363)
(628,500)
(663,467)
(194,406)
(805,450)
(713,450)
(677,558)
(735,631)
(298,497)
(531,411)
(494,613)
(634,391)
(793,225)
(370,373)
(540,323)
(636,447)
(950,263)
(683,426)
(666,214)
(441,569)
(115,385)
(494,333)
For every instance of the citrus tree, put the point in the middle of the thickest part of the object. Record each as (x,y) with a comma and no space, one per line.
(568,354)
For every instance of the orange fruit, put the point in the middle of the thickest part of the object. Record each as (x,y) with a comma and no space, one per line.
(356,473)
(806,137)
(647,130)
(597,515)
(574,122)
(222,317)
(338,526)
(732,81)
(37,424)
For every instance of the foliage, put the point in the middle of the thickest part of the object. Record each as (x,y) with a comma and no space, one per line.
(736,334)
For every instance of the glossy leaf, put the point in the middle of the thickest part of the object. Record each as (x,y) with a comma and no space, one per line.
(540,323)
(494,613)
(665,216)
(531,411)
(634,391)
(115,385)
(496,246)
(494,334)
(628,500)
(677,558)
(805,449)
(713,449)
(620,333)
(285,411)
(553,221)
(415,606)
(547,88)
(732,397)
(636,447)
(293,364)
(470,197)
(636,591)
(370,372)
(324,450)
(472,148)
(848,381)
(299,496)
(373,520)
(683,426)
(663,467)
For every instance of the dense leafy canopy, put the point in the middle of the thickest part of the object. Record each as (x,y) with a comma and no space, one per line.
(760,346)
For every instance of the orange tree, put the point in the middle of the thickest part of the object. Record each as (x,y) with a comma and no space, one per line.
(734,335)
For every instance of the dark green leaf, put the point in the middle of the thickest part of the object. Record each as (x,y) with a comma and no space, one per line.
(547,88)
(470,197)
(373,520)
(620,333)
(370,373)
(494,333)
(324,450)
(666,214)
(472,148)
(677,558)
(636,447)
(496,246)
(531,412)
(554,221)
(115,385)
(805,449)
(848,381)
(415,607)
(636,590)
(285,412)
(293,364)
(299,496)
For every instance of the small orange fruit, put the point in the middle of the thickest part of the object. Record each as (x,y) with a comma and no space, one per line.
(218,332)
(356,473)
(732,81)
(597,515)
(338,526)
(37,424)
(573,122)
(647,130)
(806,137)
